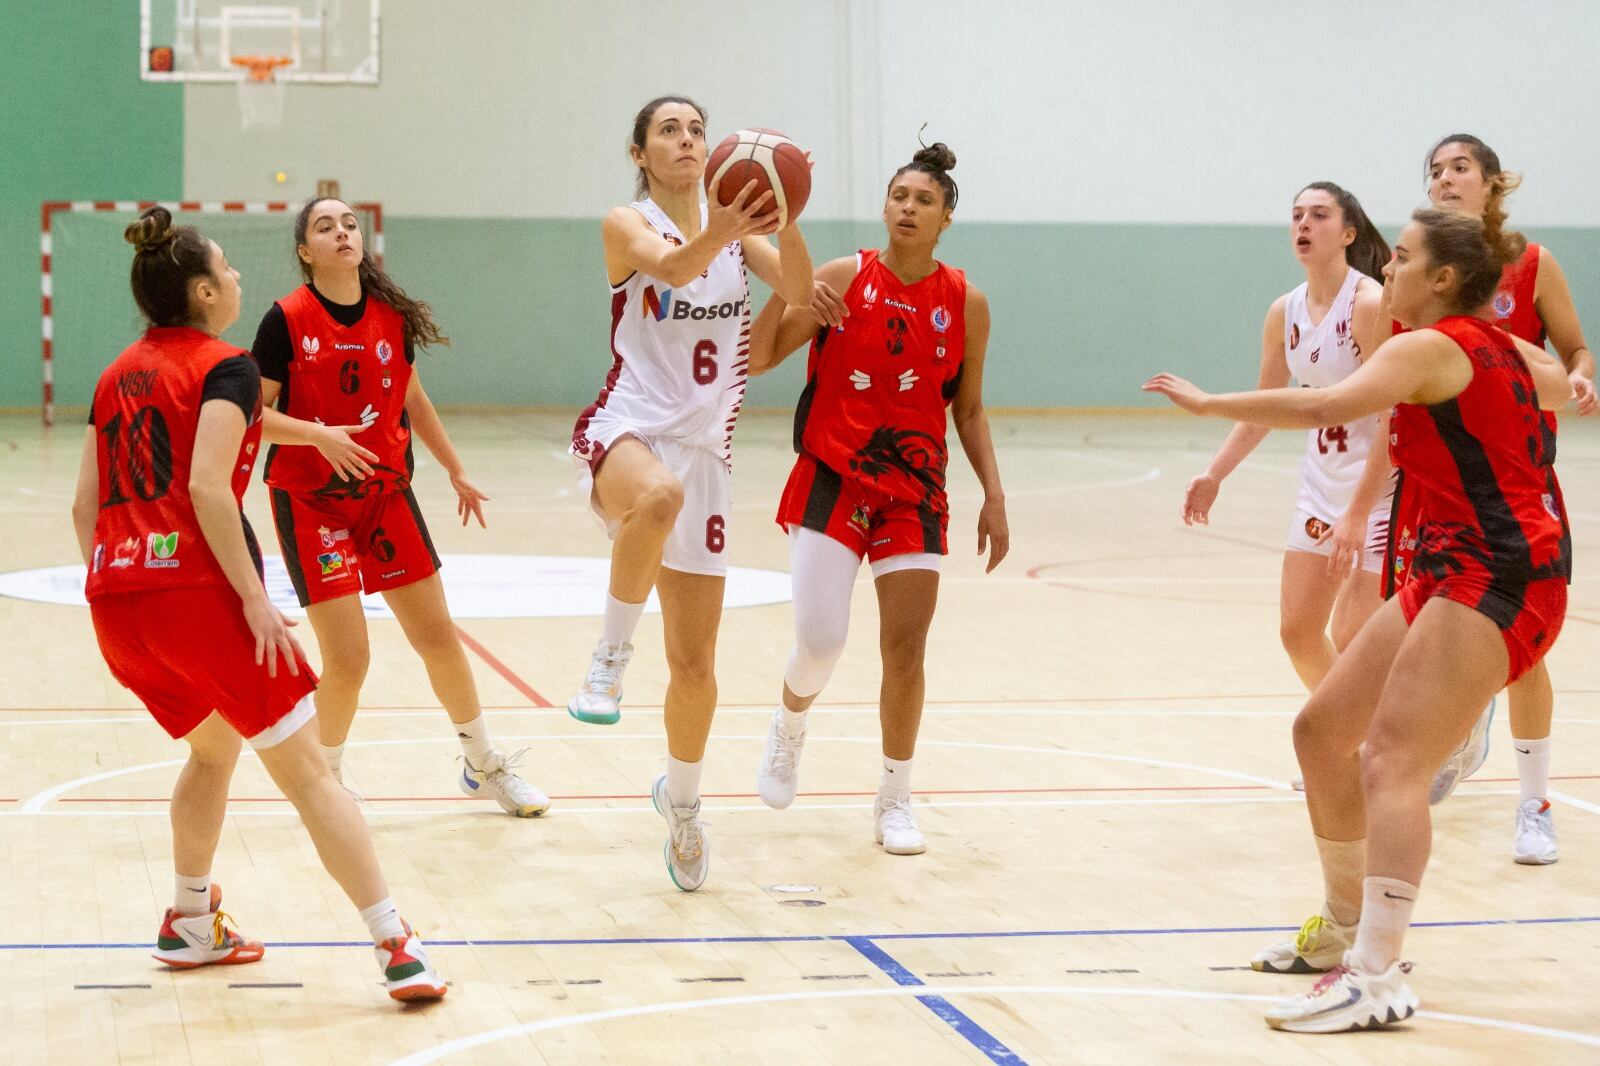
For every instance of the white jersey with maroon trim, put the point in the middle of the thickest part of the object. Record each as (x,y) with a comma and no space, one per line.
(680,356)
(1319,355)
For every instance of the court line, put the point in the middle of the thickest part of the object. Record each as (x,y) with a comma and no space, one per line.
(467,1043)
(753,808)
(943,1009)
(817,938)
(36,803)
(503,670)
(1573,801)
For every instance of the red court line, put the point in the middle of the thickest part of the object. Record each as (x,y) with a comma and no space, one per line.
(503,670)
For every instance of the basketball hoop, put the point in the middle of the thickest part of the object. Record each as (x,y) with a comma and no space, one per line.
(260,91)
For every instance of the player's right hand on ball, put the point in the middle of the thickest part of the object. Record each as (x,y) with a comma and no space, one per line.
(271,630)
(1198,498)
(746,216)
(349,460)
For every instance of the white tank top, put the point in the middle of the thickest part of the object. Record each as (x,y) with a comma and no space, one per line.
(680,357)
(1319,355)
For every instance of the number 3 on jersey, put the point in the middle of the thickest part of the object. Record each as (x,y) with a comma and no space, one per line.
(1333,438)
(705,362)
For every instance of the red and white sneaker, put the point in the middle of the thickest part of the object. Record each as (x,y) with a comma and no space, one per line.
(1346,1000)
(406,968)
(186,942)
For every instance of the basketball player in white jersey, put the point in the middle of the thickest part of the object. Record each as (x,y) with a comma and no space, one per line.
(1317,334)
(655,444)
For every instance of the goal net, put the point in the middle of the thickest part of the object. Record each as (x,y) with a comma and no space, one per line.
(89,313)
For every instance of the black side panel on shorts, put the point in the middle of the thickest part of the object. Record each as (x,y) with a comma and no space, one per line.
(820,501)
(422,526)
(1391,549)
(1511,558)
(802,411)
(283,518)
(932,531)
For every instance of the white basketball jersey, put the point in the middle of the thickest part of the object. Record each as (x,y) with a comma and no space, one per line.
(680,356)
(1319,355)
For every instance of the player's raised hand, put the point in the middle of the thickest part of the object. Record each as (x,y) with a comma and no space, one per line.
(349,460)
(1179,391)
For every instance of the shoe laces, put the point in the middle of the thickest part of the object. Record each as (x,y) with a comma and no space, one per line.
(1329,979)
(503,776)
(687,838)
(605,669)
(1309,932)
(784,754)
(1530,817)
(221,935)
(894,813)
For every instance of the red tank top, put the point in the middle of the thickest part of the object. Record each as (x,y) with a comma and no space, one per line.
(146,410)
(1513,305)
(1478,463)
(878,385)
(344,376)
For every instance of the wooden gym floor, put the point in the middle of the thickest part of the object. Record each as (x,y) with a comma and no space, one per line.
(1101,779)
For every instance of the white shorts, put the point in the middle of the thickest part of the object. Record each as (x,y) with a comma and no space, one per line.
(1306,528)
(699,541)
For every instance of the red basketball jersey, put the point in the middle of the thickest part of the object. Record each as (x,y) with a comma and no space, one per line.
(146,410)
(1512,306)
(1478,463)
(878,384)
(344,376)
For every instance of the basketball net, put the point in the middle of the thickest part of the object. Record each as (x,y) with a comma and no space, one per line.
(260,91)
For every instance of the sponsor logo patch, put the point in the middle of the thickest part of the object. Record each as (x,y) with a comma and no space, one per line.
(160,549)
(940,319)
(861,518)
(310,346)
(331,537)
(332,563)
(1504,304)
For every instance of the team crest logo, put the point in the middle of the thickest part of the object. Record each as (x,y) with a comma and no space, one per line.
(1316,527)
(332,563)
(1294,335)
(869,292)
(330,537)
(861,518)
(655,305)
(160,549)
(1316,353)
(1504,304)
(385,353)
(1341,331)
(940,319)
(311,346)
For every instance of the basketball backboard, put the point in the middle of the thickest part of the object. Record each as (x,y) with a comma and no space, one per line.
(326,41)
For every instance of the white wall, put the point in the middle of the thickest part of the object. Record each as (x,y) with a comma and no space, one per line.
(1144,111)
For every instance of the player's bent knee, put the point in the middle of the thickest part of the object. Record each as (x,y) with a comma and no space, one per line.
(657,504)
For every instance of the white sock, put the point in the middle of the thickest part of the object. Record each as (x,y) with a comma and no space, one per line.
(475,741)
(383,920)
(191,895)
(1533,766)
(1385,917)
(793,721)
(1344,864)
(896,776)
(683,782)
(334,753)
(621,620)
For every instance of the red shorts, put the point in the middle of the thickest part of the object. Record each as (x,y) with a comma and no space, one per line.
(1529,616)
(186,652)
(859,516)
(337,547)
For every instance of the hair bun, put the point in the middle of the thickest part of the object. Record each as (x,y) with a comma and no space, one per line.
(937,156)
(154,230)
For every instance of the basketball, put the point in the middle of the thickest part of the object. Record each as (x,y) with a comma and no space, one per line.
(773,160)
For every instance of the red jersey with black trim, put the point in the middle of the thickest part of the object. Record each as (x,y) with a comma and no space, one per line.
(344,376)
(146,410)
(1477,461)
(879,383)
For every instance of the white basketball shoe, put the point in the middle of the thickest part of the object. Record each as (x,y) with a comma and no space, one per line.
(1466,761)
(896,824)
(497,782)
(1346,999)
(1535,840)
(688,848)
(1320,945)
(598,700)
(779,774)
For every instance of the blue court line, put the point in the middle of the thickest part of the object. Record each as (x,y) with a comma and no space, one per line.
(645,940)
(947,1012)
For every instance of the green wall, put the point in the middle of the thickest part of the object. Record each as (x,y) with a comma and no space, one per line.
(78,125)
(1082,313)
